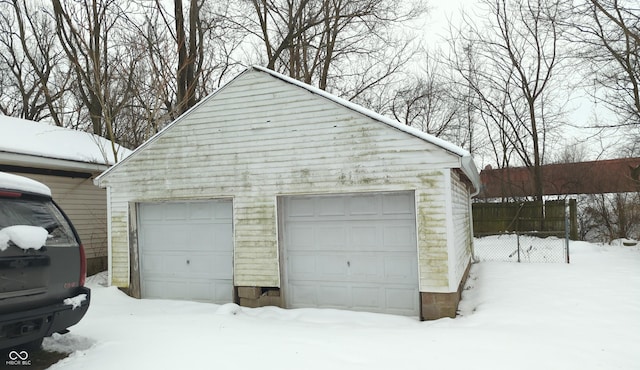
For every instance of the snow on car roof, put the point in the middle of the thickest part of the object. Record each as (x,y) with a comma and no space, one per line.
(43,140)
(22,184)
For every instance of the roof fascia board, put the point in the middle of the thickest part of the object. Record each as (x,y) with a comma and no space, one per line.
(26,160)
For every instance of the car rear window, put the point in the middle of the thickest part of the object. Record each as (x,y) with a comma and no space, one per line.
(38,212)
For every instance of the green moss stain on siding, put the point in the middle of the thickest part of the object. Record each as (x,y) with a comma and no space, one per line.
(432,232)
(256,242)
(120,249)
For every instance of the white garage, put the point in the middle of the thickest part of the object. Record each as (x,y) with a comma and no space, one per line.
(354,252)
(186,250)
(333,205)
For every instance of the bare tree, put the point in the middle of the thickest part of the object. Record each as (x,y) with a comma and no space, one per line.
(343,45)
(102,68)
(607,217)
(177,65)
(31,62)
(609,30)
(516,72)
(427,102)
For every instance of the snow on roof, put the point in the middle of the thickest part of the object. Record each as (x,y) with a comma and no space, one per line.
(466,163)
(22,184)
(39,139)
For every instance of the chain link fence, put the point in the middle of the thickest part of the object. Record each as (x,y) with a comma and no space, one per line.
(524,231)
(522,247)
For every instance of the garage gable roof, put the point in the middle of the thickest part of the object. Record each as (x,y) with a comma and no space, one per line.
(467,164)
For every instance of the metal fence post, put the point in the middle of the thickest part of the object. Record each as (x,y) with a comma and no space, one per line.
(566,228)
(518,239)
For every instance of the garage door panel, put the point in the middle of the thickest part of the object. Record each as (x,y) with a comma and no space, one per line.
(301,208)
(201,211)
(303,295)
(366,298)
(366,268)
(157,288)
(400,268)
(221,265)
(332,267)
(330,206)
(173,211)
(308,266)
(186,250)
(364,237)
(223,234)
(364,205)
(398,204)
(401,300)
(153,213)
(303,266)
(329,237)
(333,295)
(223,212)
(151,263)
(351,251)
(300,237)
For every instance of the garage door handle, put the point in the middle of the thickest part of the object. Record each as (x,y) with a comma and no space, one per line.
(187,262)
(348,264)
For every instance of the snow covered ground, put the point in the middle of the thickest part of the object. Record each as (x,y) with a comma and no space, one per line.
(585,315)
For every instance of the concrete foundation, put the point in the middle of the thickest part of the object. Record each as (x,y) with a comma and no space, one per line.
(435,306)
(258,296)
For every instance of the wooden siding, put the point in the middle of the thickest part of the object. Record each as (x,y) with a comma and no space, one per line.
(86,206)
(432,233)
(461,206)
(259,137)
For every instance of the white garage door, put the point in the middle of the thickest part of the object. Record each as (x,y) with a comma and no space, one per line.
(186,250)
(354,252)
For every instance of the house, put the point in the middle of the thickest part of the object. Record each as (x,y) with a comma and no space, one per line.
(66,160)
(272,192)
(619,175)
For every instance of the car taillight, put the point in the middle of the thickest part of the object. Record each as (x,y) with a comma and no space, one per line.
(10,194)
(83,266)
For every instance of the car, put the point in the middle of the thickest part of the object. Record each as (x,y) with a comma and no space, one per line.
(42,265)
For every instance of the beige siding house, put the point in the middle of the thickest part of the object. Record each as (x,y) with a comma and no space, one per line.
(66,161)
(271,192)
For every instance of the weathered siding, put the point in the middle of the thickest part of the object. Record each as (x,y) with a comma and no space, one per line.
(432,233)
(119,264)
(461,212)
(86,206)
(260,137)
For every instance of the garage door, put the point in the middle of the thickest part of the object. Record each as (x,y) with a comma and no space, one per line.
(186,250)
(354,252)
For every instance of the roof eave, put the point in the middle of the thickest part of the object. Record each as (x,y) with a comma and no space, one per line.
(26,160)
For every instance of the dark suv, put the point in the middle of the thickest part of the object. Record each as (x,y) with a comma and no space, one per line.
(42,265)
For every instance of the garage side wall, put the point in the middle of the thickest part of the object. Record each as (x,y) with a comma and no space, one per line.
(462,230)
(441,302)
(259,138)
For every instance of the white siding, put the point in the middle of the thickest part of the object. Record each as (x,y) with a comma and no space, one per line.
(461,229)
(86,206)
(260,137)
